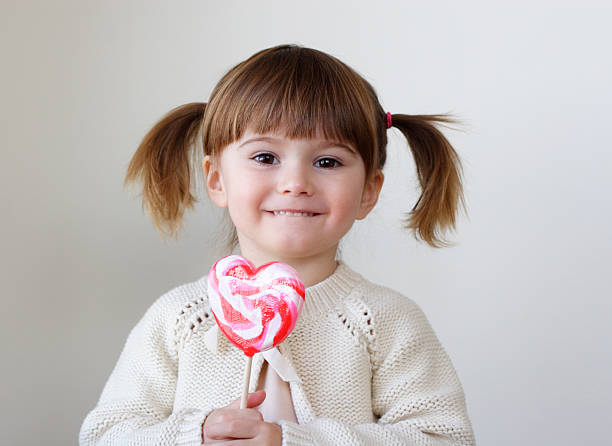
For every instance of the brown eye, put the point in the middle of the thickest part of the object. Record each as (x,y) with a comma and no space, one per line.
(328,163)
(264,158)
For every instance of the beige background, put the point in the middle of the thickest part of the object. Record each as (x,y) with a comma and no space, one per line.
(522,303)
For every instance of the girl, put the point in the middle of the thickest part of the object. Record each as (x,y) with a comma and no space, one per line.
(294,145)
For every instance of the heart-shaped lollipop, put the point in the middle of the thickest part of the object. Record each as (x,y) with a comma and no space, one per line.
(256,308)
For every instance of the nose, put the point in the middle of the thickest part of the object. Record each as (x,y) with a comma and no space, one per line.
(295,180)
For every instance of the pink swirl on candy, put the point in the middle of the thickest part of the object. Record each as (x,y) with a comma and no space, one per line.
(256,308)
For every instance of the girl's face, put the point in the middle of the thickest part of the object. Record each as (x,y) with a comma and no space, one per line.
(290,199)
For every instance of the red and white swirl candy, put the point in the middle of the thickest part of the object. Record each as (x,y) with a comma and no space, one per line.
(256,308)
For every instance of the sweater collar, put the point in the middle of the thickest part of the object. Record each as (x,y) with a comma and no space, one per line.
(329,293)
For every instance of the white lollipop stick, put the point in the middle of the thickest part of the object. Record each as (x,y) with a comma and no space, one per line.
(247,377)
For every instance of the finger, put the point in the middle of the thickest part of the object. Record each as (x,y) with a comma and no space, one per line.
(233,429)
(254,399)
(227,415)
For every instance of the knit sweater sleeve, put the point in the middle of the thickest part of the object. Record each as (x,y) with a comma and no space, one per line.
(417,398)
(136,404)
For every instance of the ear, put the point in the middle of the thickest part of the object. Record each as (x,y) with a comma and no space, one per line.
(214,182)
(371,191)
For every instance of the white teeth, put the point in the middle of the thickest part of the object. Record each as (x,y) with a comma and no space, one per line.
(294,214)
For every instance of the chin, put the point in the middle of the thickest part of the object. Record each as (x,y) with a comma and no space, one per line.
(291,249)
(297,252)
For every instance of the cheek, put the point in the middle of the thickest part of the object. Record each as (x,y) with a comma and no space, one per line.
(244,196)
(347,195)
(345,209)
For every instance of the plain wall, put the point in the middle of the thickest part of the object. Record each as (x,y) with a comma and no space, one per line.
(521,303)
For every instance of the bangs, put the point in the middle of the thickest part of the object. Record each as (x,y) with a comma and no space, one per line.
(299,92)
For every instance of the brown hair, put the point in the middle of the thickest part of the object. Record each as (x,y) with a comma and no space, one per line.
(301,91)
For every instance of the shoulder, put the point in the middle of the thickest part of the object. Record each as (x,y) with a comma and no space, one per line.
(170,304)
(392,322)
(167,318)
(388,306)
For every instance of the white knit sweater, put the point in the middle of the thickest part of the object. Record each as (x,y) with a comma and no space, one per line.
(372,372)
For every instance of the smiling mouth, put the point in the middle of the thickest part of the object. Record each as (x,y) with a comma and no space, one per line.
(293,214)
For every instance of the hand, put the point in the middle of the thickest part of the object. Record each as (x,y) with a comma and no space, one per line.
(233,426)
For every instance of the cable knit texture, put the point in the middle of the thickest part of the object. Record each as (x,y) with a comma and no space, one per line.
(373,372)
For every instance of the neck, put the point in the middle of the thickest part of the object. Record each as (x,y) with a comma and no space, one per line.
(311,270)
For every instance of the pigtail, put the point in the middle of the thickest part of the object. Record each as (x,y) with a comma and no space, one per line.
(162,163)
(439,173)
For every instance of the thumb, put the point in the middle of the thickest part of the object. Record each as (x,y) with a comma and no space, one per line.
(254,399)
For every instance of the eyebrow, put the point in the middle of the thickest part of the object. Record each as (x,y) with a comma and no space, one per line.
(322,145)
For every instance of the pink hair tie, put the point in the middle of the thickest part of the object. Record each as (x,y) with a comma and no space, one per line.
(389,121)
